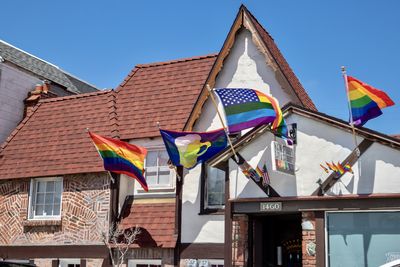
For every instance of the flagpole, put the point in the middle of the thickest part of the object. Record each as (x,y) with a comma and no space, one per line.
(222,122)
(349,106)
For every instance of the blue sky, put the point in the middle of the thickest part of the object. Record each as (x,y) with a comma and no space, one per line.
(101,41)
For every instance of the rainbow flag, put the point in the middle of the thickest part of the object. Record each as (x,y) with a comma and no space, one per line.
(348,168)
(246,108)
(366,101)
(121,157)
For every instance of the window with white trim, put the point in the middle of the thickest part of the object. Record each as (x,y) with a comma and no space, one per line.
(45,198)
(144,263)
(211,263)
(70,263)
(215,188)
(158,174)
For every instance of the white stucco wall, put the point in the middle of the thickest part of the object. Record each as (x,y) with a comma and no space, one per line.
(245,67)
(376,171)
(14,87)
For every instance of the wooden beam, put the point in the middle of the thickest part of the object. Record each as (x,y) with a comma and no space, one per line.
(269,191)
(228,222)
(351,160)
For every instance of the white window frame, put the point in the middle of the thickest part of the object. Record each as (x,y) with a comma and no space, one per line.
(212,261)
(135,262)
(274,167)
(31,214)
(206,205)
(65,262)
(171,173)
(344,211)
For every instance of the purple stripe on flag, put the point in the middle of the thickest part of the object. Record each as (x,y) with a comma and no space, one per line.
(248,124)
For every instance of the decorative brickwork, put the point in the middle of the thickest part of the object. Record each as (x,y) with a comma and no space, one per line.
(308,240)
(239,241)
(84,214)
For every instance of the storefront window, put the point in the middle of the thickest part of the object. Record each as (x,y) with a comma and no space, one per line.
(362,238)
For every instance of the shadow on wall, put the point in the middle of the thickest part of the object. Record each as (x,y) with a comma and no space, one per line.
(191,218)
(379,170)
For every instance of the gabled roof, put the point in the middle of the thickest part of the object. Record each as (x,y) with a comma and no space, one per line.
(274,58)
(162,92)
(43,69)
(155,220)
(53,141)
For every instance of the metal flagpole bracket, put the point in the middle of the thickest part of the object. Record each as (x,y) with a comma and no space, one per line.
(293,133)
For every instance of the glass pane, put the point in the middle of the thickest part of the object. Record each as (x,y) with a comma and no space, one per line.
(151,159)
(164,176)
(163,158)
(151,180)
(215,187)
(57,198)
(363,238)
(58,186)
(39,210)
(50,186)
(40,198)
(49,199)
(41,186)
(56,210)
(48,209)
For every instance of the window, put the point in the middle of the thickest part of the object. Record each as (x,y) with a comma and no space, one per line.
(283,158)
(158,174)
(362,238)
(215,188)
(45,198)
(70,263)
(144,263)
(211,263)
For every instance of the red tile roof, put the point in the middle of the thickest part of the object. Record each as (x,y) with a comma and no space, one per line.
(162,92)
(282,63)
(52,140)
(156,222)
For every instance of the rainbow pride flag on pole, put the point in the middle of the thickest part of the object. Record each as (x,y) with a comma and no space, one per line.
(366,101)
(121,157)
(247,108)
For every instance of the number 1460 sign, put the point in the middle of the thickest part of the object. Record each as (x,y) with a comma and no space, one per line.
(270,206)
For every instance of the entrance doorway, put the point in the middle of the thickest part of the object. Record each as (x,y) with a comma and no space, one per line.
(276,240)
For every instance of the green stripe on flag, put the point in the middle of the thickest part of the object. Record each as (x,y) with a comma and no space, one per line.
(360,102)
(240,108)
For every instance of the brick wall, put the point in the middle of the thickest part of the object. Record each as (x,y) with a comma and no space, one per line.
(239,240)
(308,238)
(84,214)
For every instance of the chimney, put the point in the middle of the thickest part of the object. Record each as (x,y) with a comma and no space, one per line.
(41,91)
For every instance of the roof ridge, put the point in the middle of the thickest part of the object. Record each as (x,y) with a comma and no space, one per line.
(69,97)
(281,62)
(113,114)
(179,60)
(29,54)
(359,130)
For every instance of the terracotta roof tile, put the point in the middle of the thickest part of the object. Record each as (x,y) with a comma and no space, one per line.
(156,222)
(162,92)
(282,63)
(53,140)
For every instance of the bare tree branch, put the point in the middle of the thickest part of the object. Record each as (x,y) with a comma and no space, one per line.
(118,241)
